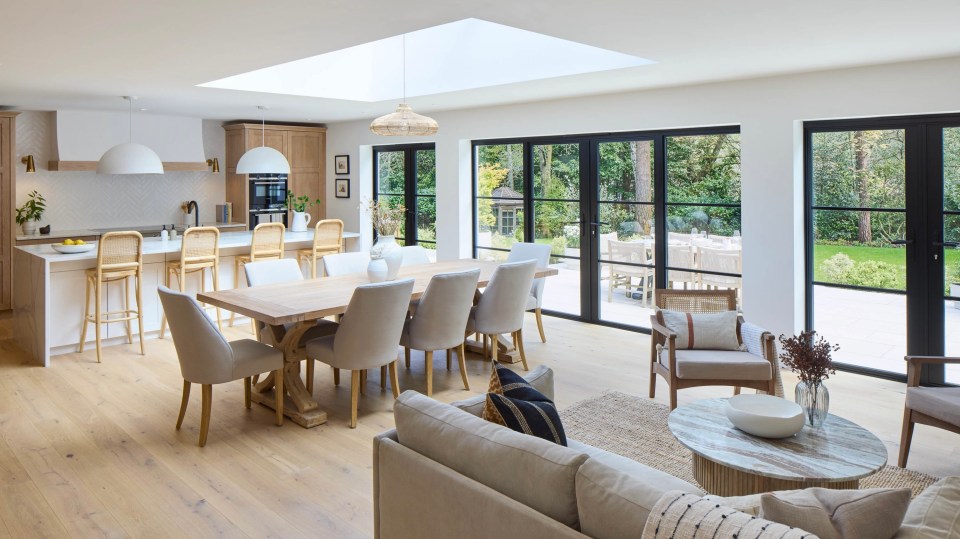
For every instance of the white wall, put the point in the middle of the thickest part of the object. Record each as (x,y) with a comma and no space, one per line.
(769,111)
(82,200)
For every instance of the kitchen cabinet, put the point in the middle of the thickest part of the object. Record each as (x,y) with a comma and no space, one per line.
(305,150)
(8,152)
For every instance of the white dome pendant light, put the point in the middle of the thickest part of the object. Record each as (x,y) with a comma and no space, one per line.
(130,157)
(404,122)
(263,159)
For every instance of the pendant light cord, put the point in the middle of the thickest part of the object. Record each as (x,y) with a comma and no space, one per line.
(130,119)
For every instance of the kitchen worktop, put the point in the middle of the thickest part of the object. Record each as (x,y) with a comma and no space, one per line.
(83,232)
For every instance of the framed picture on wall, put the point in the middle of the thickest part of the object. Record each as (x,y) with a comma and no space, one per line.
(342,164)
(342,187)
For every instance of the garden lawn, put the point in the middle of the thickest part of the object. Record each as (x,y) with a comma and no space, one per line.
(890,255)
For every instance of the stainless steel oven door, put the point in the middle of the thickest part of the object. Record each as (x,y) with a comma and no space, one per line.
(267,216)
(267,193)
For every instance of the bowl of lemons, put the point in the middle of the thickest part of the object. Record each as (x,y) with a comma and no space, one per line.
(71,246)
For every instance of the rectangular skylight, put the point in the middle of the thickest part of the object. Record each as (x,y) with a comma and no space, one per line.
(461,55)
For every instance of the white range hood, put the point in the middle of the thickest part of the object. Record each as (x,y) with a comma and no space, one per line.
(83,135)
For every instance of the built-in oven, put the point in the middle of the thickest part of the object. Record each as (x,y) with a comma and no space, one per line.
(268,199)
(268,216)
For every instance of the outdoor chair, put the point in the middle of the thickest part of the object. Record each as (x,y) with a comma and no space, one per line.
(935,406)
(622,275)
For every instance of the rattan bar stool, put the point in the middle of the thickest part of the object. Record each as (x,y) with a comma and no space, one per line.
(119,257)
(199,250)
(267,244)
(327,240)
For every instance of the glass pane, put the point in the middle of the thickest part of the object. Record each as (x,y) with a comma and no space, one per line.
(496,256)
(394,201)
(556,171)
(870,327)
(859,169)
(841,257)
(685,222)
(562,291)
(426,218)
(390,172)
(952,333)
(626,221)
(500,170)
(626,292)
(557,223)
(499,222)
(704,168)
(426,172)
(626,171)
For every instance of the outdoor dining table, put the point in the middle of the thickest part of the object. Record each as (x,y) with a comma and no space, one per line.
(290,309)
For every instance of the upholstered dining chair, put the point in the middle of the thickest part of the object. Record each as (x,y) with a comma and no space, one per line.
(935,406)
(345,263)
(502,304)
(287,270)
(756,366)
(413,255)
(327,240)
(439,320)
(368,335)
(206,358)
(541,253)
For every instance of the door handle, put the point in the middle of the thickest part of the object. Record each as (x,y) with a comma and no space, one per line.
(946,243)
(599,223)
(901,242)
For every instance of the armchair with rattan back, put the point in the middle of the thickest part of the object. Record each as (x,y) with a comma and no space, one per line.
(934,406)
(663,341)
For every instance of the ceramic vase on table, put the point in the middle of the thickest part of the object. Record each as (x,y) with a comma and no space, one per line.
(300,221)
(815,401)
(377,270)
(29,227)
(387,249)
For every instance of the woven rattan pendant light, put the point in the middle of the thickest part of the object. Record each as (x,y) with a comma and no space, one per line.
(403,121)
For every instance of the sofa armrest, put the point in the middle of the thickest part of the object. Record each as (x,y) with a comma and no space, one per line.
(378,440)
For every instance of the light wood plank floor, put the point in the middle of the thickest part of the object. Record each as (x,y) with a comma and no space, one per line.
(90,450)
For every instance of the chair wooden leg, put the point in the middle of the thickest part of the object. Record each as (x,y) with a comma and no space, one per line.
(394,379)
(428,366)
(653,373)
(313,267)
(205,402)
(336,376)
(139,283)
(183,403)
(906,437)
(354,397)
(494,346)
(736,390)
(246,392)
(449,357)
(406,356)
(539,313)
(462,356)
(86,317)
(383,378)
(523,355)
(280,394)
(126,306)
(484,337)
(96,316)
(310,367)
(673,398)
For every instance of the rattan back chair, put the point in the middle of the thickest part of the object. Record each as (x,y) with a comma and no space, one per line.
(327,240)
(199,250)
(266,244)
(119,257)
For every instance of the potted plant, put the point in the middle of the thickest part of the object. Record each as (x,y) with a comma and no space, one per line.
(811,359)
(31,212)
(386,220)
(298,205)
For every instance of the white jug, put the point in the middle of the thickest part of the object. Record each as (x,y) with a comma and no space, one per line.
(300,221)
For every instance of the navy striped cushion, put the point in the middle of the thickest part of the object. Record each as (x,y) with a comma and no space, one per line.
(514,403)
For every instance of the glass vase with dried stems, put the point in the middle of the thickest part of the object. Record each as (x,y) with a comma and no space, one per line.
(812,361)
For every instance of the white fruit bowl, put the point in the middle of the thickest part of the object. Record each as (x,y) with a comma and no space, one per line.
(73,249)
(765,415)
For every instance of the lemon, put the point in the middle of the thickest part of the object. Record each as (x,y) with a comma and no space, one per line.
(79,242)
(68,241)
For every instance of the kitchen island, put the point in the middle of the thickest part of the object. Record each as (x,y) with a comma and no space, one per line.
(48,290)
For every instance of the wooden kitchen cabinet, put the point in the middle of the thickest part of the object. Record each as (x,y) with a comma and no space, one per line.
(305,150)
(8,152)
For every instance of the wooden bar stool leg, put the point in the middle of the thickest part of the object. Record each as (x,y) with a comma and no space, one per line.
(313,266)
(236,282)
(163,316)
(86,316)
(96,315)
(139,283)
(127,310)
(216,287)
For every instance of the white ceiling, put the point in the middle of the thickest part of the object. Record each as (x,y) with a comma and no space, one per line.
(53,57)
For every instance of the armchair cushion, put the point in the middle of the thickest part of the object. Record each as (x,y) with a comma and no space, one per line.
(703,331)
(942,403)
(721,365)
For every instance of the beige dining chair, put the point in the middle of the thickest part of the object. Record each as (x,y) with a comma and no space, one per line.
(723,261)
(368,335)
(935,406)
(629,276)
(266,244)
(439,320)
(199,251)
(413,255)
(119,259)
(207,358)
(540,252)
(681,256)
(327,240)
(286,270)
(502,305)
(345,264)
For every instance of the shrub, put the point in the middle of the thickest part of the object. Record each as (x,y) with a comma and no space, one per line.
(874,274)
(837,267)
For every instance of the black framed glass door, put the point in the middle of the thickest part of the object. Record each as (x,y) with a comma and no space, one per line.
(407,175)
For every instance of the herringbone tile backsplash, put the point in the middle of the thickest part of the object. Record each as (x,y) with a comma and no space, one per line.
(81,200)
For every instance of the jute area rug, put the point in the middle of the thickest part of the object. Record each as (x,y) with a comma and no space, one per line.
(636,427)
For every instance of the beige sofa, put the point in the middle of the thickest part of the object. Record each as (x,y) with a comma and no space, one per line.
(445,472)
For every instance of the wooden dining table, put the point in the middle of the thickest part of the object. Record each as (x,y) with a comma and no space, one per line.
(290,309)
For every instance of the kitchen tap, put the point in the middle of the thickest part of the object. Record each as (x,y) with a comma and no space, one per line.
(196,215)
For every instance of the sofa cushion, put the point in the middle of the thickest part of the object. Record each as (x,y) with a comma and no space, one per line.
(703,331)
(935,513)
(527,469)
(536,417)
(615,494)
(721,365)
(541,378)
(681,515)
(835,514)
(942,403)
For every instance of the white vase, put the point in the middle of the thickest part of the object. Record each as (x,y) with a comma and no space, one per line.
(377,270)
(29,227)
(300,221)
(387,249)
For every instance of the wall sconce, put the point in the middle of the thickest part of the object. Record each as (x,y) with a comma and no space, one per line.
(215,163)
(28,160)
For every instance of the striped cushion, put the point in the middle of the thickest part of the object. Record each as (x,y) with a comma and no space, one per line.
(514,403)
(703,331)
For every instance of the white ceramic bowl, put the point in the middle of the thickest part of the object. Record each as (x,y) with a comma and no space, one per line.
(73,249)
(765,415)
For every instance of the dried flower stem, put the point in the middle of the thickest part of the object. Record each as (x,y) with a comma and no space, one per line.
(809,357)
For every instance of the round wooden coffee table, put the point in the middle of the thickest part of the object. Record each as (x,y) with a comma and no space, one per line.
(730,462)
